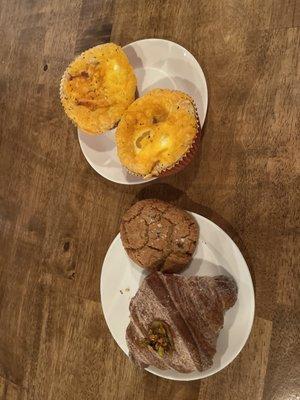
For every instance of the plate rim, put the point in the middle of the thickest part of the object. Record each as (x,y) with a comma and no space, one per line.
(201,72)
(251,310)
(190,55)
(118,182)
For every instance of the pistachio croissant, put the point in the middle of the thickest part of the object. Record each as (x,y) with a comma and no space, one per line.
(176,320)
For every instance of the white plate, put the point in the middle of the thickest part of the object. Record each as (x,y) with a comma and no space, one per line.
(216,254)
(157,63)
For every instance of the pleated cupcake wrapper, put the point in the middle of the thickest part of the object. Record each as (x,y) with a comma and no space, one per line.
(184,160)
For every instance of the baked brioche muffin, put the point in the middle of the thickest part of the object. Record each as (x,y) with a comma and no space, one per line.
(159,236)
(97,87)
(157,135)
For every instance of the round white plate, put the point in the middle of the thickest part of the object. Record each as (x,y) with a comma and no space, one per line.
(216,254)
(157,63)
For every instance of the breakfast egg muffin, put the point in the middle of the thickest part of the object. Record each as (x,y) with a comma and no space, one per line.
(97,87)
(158,133)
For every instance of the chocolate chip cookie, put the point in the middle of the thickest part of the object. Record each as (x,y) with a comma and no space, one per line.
(159,236)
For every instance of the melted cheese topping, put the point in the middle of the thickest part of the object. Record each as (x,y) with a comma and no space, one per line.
(156,131)
(97,88)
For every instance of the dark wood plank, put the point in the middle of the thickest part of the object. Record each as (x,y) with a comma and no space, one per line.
(58,217)
(282,379)
(296,16)
(94,26)
(10,391)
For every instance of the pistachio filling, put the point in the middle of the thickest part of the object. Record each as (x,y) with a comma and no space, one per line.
(159,338)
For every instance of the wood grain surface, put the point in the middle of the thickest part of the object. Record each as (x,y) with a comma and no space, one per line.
(58,217)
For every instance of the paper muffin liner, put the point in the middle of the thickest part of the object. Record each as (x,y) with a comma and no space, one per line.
(184,161)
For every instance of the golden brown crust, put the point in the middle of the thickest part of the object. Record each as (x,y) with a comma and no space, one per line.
(191,308)
(97,88)
(159,236)
(156,131)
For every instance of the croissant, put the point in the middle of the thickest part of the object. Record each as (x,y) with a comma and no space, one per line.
(175,320)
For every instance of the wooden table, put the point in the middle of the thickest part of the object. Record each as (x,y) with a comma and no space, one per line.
(58,217)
